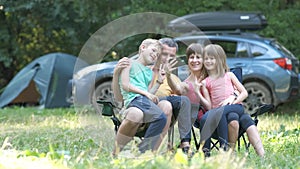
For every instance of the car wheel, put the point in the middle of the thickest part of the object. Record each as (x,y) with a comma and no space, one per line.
(257,94)
(102,91)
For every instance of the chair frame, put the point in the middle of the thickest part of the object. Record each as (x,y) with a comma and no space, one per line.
(241,136)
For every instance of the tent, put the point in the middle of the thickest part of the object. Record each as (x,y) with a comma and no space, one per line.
(42,82)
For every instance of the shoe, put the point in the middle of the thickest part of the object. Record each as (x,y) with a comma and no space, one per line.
(186,150)
(206,153)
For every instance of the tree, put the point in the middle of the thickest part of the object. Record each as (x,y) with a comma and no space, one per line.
(31,29)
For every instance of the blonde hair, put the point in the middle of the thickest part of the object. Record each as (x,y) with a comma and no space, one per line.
(149,41)
(218,52)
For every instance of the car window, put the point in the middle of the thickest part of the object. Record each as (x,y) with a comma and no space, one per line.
(228,46)
(281,48)
(242,51)
(257,50)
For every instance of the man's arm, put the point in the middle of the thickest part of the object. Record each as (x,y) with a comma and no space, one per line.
(123,63)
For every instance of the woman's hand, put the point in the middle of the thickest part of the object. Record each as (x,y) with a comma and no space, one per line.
(228,101)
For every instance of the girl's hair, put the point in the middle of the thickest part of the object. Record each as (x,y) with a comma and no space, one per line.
(218,52)
(193,49)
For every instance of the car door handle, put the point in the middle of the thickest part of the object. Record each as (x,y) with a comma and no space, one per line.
(239,65)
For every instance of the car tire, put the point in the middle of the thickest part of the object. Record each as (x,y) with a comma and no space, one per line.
(258,94)
(102,91)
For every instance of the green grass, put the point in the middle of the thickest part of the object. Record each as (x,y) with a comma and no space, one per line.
(64,138)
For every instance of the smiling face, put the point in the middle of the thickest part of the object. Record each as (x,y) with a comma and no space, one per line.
(194,53)
(209,62)
(167,53)
(149,51)
(150,54)
(195,62)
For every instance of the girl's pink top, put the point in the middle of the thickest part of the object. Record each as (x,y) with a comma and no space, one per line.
(219,89)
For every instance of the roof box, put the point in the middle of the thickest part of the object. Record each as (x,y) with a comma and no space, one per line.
(219,21)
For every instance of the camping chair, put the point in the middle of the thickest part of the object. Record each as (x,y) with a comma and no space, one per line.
(109,109)
(241,135)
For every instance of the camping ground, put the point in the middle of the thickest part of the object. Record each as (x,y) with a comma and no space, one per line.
(62,138)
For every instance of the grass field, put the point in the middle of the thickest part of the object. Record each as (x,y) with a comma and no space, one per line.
(65,138)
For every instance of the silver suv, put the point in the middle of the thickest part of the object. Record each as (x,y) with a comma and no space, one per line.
(270,71)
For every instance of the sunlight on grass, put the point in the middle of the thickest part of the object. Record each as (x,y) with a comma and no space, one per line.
(88,139)
(275,122)
(11,159)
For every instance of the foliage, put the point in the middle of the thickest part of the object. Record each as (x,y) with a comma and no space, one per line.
(65,138)
(31,29)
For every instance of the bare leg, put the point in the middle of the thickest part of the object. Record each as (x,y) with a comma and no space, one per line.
(233,132)
(128,128)
(166,107)
(255,140)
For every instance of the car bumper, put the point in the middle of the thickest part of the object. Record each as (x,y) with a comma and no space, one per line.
(78,92)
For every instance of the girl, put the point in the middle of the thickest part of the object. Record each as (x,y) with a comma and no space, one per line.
(222,86)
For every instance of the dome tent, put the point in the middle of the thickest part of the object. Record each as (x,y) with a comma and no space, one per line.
(42,82)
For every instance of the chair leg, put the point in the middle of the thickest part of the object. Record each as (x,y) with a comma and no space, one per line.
(214,145)
(171,137)
(195,140)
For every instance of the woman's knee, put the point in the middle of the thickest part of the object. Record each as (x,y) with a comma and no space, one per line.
(232,117)
(246,121)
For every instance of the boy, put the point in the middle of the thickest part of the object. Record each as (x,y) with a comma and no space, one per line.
(134,81)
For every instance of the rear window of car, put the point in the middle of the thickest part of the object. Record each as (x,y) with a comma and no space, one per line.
(256,50)
(281,48)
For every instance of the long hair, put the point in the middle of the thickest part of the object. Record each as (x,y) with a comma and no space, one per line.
(218,52)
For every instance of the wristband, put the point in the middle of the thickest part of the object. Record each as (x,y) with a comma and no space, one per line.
(235,95)
(159,82)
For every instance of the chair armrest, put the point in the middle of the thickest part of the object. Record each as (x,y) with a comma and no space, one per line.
(263,109)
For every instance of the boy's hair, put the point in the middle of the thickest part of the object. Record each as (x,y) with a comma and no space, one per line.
(218,52)
(169,42)
(194,48)
(148,42)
